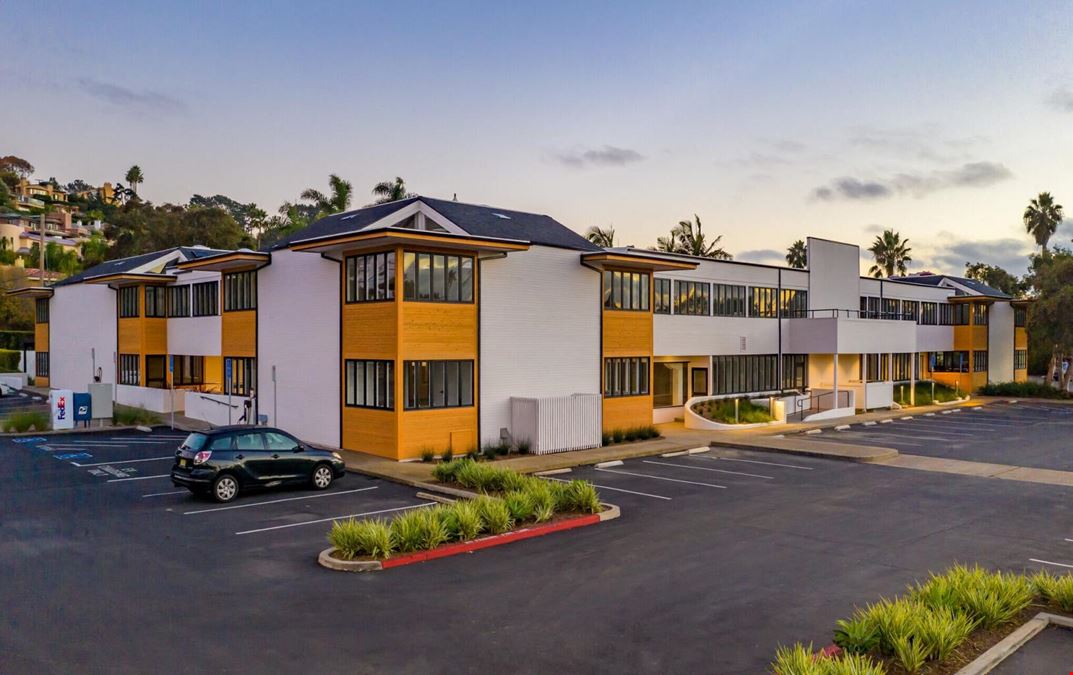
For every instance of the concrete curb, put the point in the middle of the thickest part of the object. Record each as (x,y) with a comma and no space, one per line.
(326,560)
(64,432)
(986,662)
(436,498)
(864,454)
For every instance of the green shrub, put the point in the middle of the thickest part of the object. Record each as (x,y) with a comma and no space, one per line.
(988,598)
(355,538)
(523,446)
(796,660)
(489,450)
(447,455)
(445,471)
(462,521)
(852,664)
(857,635)
(910,653)
(24,420)
(494,514)
(1024,390)
(427,454)
(650,431)
(560,496)
(134,416)
(473,454)
(941,630)
(617,435)
(543,500)
(520,505)
(722,411)
(943,393)
(473,475)
(408,531)
(433,529)
(9,360)
(605,438)
(631,434)
(581,496)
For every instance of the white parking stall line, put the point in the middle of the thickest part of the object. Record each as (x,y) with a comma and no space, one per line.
(127,461)
(277,501)
(1048,562)
(69,444)
(756,461)
(325,520)
(708,468)
(1068,539)
(614,489)
(673,480)
(165,494)
(120,480)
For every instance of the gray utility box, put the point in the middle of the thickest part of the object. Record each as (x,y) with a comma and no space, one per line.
(101,396)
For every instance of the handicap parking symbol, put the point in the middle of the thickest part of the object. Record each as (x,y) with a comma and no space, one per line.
(74,455)
(36,439)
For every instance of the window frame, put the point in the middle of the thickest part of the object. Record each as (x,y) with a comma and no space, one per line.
(729,300)
(130,370)
(182,308)
(243,380)
(628,370)
(763,302)
(662,295)
(1020,317)
(420,376)
(128,302)
(356,280)
(156,301)
(692,298)
(627,291)
(1020,359)
(693,373)
(240,291)
(351,382)
(41,311)
(419,279)
(42,358)
(202,292)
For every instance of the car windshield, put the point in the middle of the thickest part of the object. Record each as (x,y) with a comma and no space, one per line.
(195,441)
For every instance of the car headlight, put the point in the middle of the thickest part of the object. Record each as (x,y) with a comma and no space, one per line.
(337,456)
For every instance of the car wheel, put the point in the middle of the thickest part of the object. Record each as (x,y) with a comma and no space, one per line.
(225,488)
(322,477)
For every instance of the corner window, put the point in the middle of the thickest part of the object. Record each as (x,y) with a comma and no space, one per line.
(626,376)
(626,290)
(206,298)
(41,310)
(662,296)
(438,384)
(1020,317)
(155,302)
(793,303)
(434,277)
(370,278)
(128,302)
(979,314)
(240,291)
(178,301)
(370,384)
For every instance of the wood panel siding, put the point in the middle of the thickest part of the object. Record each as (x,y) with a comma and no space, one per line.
(1020,341)
(238,333)
(41,337)
(627,333)
(434,330)
(370,330)
(154,336)
(370,430)
(627,411)
(439,429)
(129,339)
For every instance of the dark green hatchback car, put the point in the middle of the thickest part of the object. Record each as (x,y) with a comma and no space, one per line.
(228,460)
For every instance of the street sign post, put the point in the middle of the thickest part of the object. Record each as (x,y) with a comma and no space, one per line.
(227,385)
(171,384)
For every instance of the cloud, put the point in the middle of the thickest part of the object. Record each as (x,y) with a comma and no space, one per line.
(145,100)
(1061,99)
(971,174)
(923,143)
(608,155)
(949,254)
(767,256)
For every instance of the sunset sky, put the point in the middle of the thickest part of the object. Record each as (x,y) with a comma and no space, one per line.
(771,121)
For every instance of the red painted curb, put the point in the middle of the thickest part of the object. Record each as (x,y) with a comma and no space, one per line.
(489,542)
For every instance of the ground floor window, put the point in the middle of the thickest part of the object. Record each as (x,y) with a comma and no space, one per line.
(156,371)
(370,384)
(869,368)
(438,384)
(949,362)
(979,362)
(626,376)
(41,364)
(1020,359)
(243,380)
(188,370)
(668,384)
(128,369)
(700,381)
(745,374)
(795,371)
(901,367)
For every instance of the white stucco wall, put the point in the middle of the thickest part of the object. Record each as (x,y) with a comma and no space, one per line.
(1000,332)
(834,275)
(540,331)
(298,333)
(195,335)
(714,335)
(82,319)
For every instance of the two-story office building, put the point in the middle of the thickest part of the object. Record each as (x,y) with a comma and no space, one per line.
(425,323)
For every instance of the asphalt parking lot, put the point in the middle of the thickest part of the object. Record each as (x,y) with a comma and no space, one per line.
(16,400)
(717,559)
(1037,435)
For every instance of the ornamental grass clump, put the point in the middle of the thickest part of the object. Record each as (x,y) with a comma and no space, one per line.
(540,494)
(408,531)
(799,660)
(354,538)
(520,505)
(1054,590)
(582,496)
(990,599)
(462,521)
(433,529)
(494,514)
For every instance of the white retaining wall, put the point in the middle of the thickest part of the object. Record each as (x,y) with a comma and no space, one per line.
(213,408)
(156,400)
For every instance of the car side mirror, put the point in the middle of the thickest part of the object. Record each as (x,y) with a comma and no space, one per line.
(299,448)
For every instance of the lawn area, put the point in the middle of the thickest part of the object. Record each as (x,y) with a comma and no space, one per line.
(943,393)
(722,411)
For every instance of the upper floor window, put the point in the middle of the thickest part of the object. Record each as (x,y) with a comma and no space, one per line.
(910,310)
(793,303)
(691,297)
(435,277)
(728,300)
(370,277)
(870,307)
(1020,316)
(155,302)
(206,298)
(929,313)
(41,310)
(891,308)
(762,302)
(979,315)
(953,315)
(626,290)
(179,301)
(661,296)
(128,302)
(240,291)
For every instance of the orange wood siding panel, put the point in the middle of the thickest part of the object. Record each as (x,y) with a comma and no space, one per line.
(370,330)
(41,337)
(433,330)
(1020,338)
(627,411)
(40,381)
(155,336)
(627,333)
(372,431)
(130,336)
(454,428)
(238,333)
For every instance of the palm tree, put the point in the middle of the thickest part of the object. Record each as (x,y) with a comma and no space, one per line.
(134,178)
(688,238)
(797,255)
(338,201)
(603,237)
(891,254)
(390,191)
(1041,218)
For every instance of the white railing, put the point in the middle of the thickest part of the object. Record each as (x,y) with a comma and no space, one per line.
(150,398)
(215,408)
(556,423)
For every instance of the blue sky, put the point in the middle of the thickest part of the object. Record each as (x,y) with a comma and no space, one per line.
(771,121)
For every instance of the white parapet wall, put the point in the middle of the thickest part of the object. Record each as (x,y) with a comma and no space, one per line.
(556,423)
(214,408)
(150,398)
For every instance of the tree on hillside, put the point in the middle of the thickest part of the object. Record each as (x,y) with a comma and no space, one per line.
(141,228)
(336,201)
(6,201)
(57,258)
(391,191)
(995,277)
(134,178)
(688,237)
(249,216)
(601,236)
(797,255)
(1049,328)
(94,250)
(16,165)
(16,313)
(891,254)
(1041,218)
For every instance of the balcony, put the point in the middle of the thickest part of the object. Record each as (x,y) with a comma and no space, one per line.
(848,331)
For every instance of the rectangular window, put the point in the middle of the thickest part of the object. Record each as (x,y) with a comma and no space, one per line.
(370,278)
(128,369)
(626,376)
(243,375)
(891,309)
(871,307)
(870,368)
(762,302)
(41,364)
(370,384)
(979,314)
(155,302)
(691,298)
(128,302)
(41,310)
(1020,317)
(793,303)
(699,378)
(950,362)
(901,367)
(432,277)
(206,298)
(979,361)
(188,370)
(745,374)
(178,301)
(240,291)
(728,300)
(662,293)
(953,315)
(929,314)
(1020,359)
(438,384)
(626,290)
(795,371)
(910,310)
(156,371)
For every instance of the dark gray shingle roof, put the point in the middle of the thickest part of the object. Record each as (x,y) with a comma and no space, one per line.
(937,279)
(122,265)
